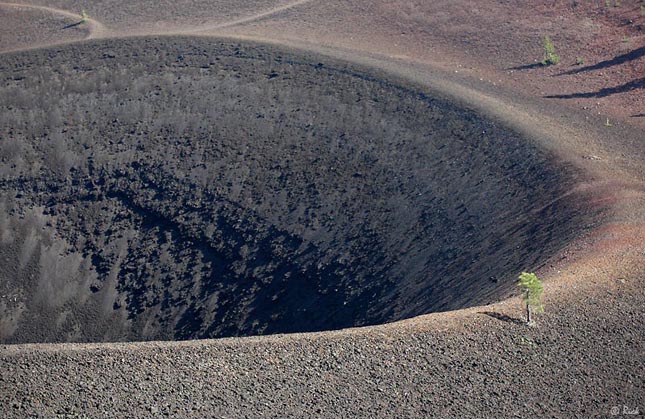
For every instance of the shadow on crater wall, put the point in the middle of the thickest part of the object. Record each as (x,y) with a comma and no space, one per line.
(182,188)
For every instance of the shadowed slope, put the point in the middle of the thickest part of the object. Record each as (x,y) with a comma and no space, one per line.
(217,189)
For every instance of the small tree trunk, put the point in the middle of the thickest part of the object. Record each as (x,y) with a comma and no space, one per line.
(528,309)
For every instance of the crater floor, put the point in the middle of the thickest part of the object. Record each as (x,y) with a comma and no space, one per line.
(179,188)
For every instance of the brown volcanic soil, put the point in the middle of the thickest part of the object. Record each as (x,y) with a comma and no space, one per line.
(164,16)
(300,194)
(585,356)
(584,359)
(26,27)
(496,42)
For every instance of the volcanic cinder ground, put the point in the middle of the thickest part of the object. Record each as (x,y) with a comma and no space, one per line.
(295,209)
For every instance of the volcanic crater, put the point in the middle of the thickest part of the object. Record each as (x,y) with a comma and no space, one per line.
(180,187)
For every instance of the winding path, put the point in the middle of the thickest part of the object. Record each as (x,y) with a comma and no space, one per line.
(97,29)
(252,18)
(441,364)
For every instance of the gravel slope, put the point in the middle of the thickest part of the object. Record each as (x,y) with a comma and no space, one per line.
(255,209)
(585,356)
(27,27)
(585,359)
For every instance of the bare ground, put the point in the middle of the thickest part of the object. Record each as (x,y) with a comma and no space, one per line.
(585,356)
(24,27)
(583,359)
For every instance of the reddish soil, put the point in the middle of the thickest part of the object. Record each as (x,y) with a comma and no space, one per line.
(338,215)
(26,27)
(584,358)
(498,42)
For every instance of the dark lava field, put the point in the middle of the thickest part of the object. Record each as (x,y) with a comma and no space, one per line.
(180,188)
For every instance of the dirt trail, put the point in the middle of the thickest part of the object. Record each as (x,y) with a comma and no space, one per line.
(248,19)
(615,155)
(610,154)
(97,29)
(584,357)
(445,34)
(567,132)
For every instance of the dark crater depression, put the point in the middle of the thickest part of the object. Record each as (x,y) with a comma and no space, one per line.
(181,188)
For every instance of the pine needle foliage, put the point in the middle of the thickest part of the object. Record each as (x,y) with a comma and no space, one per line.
(533,290)
(550,57)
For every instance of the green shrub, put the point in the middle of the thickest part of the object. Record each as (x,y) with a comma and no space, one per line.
(532,288)
(550,57)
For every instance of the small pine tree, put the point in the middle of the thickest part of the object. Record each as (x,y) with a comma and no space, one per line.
(532,287)
(84,17)
(550,57)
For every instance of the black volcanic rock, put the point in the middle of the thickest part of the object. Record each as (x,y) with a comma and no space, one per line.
(180,188)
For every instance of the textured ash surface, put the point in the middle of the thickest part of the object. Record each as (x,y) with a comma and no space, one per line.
(24,27)
(180,188)
(579,361)
(586,357)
